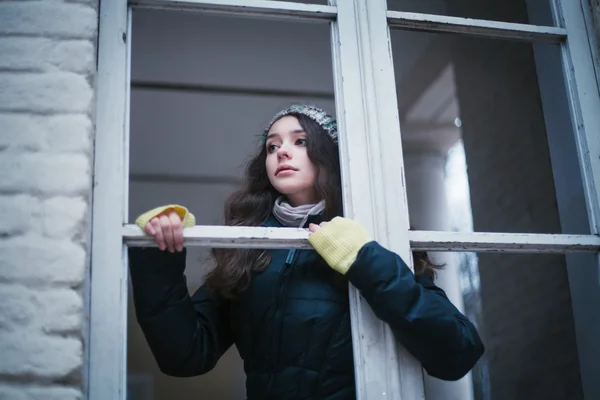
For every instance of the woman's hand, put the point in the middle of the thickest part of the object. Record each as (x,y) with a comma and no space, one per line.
(314,227)
(338,241)
(167,229)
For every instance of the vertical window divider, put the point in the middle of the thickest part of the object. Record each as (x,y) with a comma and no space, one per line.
(373,183)
(107,300)
(584,99)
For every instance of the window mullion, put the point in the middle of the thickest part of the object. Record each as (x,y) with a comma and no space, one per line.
(583,87)
(106,352)
(475,27)
(255,8)
(219,236)
(502,242)
(370,151)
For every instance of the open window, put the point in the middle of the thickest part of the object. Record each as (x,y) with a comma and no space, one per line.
(202,90)
(404,122)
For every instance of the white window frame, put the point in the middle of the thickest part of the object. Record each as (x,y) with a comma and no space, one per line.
(366,101)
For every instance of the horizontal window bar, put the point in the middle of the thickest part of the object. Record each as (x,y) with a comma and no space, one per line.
(474,27)
(216,89)
(186,179)
(502,242)
(287,238)
(257,8)
(249,237)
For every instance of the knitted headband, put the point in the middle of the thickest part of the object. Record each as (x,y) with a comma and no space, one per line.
(325,120)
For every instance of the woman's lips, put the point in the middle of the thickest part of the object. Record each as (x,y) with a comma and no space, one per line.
(285,169)
(285,172)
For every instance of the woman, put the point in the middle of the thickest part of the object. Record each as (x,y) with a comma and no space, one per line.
(287,311)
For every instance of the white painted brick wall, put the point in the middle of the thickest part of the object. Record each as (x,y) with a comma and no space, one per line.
(14,392)
(47,73)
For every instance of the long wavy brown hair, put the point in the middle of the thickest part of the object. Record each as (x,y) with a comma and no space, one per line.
(252,204)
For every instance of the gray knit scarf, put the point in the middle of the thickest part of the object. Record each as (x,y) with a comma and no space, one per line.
(295,216)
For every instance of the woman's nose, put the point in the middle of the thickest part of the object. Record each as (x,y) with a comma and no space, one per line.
(283,152)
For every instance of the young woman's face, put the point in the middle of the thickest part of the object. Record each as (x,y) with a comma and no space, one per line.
(289,169)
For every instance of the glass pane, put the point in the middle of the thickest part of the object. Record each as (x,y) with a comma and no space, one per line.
(203,89)
(532,312)
(487,136)
(537,12)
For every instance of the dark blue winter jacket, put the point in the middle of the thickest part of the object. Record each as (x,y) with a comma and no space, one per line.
(292,326)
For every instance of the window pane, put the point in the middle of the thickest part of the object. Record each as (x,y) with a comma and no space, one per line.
(202,92)
(537,12)
(487,136)
(203,89)
(532,312)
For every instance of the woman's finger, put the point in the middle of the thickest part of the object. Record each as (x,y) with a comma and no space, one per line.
(313,227)
(177,230)
(167,229)
(158,235)
(149,229)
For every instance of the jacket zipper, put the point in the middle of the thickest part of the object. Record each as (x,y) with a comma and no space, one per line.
(279,305)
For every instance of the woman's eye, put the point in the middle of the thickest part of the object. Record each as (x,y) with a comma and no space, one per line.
(271,148)
(301,142)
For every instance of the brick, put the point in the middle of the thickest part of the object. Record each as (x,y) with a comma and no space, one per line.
(36,260)
(68,133)
(48,18)
(61,310)
(41,54)
(62,217)
(58,133)
(26,353)
(17,214)
(20,132)
(17,308)
(57,92)
(14,392)
(56,310)
(67,174)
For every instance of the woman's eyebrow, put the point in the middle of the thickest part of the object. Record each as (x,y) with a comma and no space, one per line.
(295,131)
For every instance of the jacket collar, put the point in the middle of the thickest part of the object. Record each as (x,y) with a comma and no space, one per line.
(273,222)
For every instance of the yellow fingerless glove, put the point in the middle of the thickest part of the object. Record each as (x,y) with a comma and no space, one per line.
(339,242)
(186,216)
